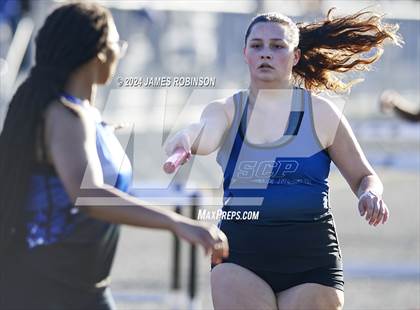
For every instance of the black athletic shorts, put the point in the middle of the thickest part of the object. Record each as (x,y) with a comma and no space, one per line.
(331,276)
(23,287)
(287,254)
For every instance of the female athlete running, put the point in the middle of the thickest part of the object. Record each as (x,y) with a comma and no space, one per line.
(275,142)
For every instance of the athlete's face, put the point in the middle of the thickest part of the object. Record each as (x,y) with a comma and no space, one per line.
(270,53)
(115,49)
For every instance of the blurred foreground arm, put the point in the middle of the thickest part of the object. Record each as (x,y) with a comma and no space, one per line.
(391,100)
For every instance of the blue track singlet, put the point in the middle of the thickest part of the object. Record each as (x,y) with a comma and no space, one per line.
(67,256)
(286,181)
(49,214)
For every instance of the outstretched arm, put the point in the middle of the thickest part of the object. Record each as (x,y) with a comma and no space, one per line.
(70,139)
(393,100)
(204,137)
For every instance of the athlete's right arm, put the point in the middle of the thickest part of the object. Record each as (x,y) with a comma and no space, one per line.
(204,137)
(70,142)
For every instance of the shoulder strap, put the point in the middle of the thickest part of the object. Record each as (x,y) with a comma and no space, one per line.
(238,141)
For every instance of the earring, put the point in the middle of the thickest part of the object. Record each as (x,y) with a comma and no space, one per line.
(102,57)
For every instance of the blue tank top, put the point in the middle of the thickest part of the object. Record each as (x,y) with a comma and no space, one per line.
(50,216)
(285,180)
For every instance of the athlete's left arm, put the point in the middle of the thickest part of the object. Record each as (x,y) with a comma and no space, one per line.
(337,137)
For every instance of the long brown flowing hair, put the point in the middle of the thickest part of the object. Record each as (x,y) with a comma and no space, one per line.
(335,45)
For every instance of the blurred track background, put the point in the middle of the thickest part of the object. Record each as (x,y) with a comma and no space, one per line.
(205,38)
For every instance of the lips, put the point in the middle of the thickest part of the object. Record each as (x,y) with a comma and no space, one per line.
(265,65)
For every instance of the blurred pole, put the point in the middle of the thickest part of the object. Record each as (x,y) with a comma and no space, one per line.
(192,283)
(259,6)
(17,49)
(14,58)
(176,266)
(175,295)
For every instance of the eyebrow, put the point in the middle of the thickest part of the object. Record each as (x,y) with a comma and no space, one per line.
(273,39)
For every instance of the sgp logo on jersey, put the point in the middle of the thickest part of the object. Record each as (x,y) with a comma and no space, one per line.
(266,169)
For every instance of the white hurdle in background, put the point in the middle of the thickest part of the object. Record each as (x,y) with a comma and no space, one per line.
(175,297)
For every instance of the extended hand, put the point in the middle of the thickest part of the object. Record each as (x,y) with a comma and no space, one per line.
(210,237)
(374,208)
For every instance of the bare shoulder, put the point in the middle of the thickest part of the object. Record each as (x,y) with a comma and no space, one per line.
(66,118)
(324,107)
(327,116)
(225,105)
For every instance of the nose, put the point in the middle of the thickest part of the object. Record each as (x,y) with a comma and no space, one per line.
(266,54)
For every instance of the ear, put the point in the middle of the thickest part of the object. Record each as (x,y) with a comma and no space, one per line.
(102,57)
(244,54)
(297,54)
